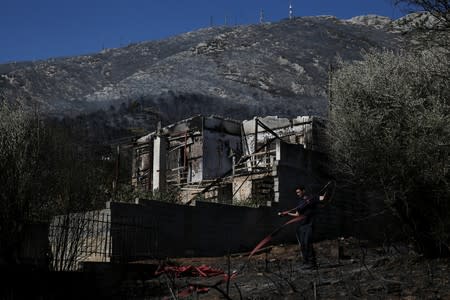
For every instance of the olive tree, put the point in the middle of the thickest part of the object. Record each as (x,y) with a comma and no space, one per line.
(390,132)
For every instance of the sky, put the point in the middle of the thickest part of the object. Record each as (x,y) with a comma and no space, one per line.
(40,29)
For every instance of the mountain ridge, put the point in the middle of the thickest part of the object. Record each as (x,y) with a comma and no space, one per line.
(272,68)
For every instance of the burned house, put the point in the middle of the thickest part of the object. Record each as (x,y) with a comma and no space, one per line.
(186,156)
(226,161)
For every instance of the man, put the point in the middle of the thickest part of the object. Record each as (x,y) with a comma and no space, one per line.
(307,208)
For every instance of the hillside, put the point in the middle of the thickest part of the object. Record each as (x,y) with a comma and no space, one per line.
(270,69)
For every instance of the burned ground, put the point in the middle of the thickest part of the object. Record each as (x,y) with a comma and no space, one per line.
(362,271)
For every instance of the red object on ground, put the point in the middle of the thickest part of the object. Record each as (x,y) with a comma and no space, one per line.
(193,271)
(190,271)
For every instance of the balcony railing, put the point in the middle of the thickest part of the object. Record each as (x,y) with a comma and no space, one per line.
(255,163)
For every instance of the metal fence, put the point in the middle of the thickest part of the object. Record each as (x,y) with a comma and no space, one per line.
(96,237)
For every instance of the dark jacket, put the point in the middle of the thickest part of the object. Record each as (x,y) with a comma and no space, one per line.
(307,206)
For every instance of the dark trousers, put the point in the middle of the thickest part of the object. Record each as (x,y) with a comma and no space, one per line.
(305,238)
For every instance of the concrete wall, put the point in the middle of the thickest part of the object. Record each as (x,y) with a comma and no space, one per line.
(156,229)
(207,229)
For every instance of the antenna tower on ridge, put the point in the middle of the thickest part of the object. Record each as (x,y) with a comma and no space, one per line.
(261,16)
(291,11)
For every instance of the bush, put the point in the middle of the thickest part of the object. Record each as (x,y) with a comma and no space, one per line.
(390,132)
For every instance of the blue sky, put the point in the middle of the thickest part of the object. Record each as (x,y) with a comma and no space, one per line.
(39,29)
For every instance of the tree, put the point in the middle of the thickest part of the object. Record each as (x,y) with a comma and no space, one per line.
(14,175)
(440,9)
(390,132)
(45,170)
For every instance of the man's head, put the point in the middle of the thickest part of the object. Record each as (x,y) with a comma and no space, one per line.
(300,190)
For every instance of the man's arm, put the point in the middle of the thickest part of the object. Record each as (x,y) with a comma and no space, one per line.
(293,214)
(289,213)
(301,209)
(308,202)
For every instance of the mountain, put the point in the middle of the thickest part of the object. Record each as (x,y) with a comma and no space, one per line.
(267,69)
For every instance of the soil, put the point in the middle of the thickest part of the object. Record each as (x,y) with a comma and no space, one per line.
(347,269)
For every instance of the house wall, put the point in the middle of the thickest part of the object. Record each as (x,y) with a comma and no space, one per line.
(304,130)
(217,148)
(142,164)
(248,189)
(195,158)
(242,188)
